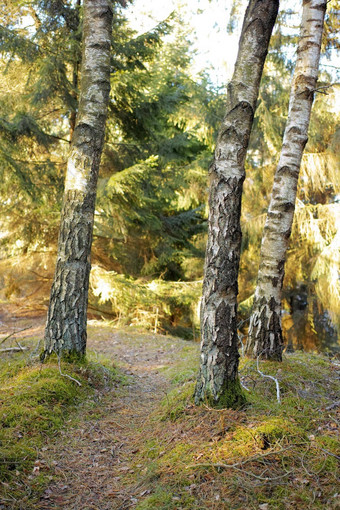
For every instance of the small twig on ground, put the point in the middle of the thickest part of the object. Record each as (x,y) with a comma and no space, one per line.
(333,406)
(66,375)
(166,396)
(14,333)
(244,386)
(20,346)
(34,352)
(217,410)
(14,349)
(249,473)
(316,473)
(241,343)
(270,377)
(328,452)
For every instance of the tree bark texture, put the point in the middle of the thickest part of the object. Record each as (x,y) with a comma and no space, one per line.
(75,76)
(265,332)
(218,376)
(66,321)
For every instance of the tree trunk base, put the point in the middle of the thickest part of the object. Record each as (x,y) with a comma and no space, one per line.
(231,396)
(69,356)
(265,333)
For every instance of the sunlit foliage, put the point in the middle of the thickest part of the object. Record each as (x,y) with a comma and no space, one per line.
(151,211)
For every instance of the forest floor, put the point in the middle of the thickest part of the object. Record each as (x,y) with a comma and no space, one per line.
(140,443)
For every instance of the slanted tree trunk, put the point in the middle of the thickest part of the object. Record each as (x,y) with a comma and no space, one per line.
(218,376)
(265,333)
(66,321)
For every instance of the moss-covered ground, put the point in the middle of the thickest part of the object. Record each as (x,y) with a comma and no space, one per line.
(268,455)
(145,445)
(36,404)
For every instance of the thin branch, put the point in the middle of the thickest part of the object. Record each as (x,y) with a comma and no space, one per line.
(59,138)
(242,322)
(20,346)
(321,89)
(14,349)
(244,386)
(14,333)
(35,351)
(333,406)
(270,377)
(242,344)
(66,375)
(328,452)
(329,65)
(42,277)
(237,465)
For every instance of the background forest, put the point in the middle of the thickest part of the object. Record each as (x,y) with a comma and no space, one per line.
(151,213)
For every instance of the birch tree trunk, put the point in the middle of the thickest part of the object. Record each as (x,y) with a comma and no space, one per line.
(265,332)
(218,376)
(66,321)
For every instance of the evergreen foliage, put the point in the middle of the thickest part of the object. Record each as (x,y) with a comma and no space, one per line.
(151,206)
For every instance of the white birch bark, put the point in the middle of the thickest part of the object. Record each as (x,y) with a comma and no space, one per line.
(265,332)
(65,331)
(218,377)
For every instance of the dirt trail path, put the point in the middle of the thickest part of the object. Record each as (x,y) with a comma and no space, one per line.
(94,462)
(97,457)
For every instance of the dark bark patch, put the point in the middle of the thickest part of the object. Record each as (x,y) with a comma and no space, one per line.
(273,304)
(286,206)
(281,265)
(288,171)
(241,156)
(275,281)
(103,46)
(287,233)
(229,135)
(294,130)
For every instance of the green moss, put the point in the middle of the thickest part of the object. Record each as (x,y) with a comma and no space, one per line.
(281,432)
(274,430)
(231,396)
(245,440)
(10,368)
(166,499)
(36,401)
(152,448)
(185,368)
(176,401)
(68,356)
(161,499)
(179,455)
